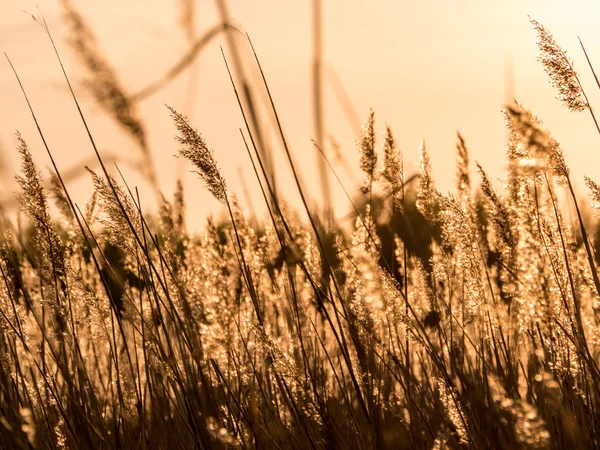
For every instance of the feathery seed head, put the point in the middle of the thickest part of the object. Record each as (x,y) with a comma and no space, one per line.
(594,192)
(196,150)
(118,212)
(464,180)
(35,203)
(60,198)
(393,170)
(453,409)
(560,69)
(498,213)
(460,233)
(179,208)
(426,195)
(102,81)
(366,147)
(33,197)
(534,147)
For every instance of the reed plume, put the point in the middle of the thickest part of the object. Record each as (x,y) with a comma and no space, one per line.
(368,156)
(105,87)
(120,217)
(198,153)
(426,194)
(594,192)
(462,165)
(538,149)
(559,68)
(34,201)
(393,169)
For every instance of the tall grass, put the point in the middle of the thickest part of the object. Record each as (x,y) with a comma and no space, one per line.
(443,321)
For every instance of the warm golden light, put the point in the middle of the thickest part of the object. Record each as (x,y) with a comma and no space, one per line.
(318,224)
(427,68)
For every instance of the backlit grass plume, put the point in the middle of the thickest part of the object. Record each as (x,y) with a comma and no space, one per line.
(120,216)
(393,169)
(34,201)
(366,147)
(196,150)
(462,165)
(426,194)
(560,69)
(104,85)
(537,148)
(594,193)
(33,197)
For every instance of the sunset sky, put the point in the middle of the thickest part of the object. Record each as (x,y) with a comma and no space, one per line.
(428,68)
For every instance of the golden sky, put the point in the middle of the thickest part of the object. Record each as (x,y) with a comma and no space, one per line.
(428,68)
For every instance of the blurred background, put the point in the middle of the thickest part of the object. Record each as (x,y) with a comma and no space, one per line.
(428,69)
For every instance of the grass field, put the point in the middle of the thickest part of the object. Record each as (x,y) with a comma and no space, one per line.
(441,321)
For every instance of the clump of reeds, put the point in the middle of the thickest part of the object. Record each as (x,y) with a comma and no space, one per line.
(467,320)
